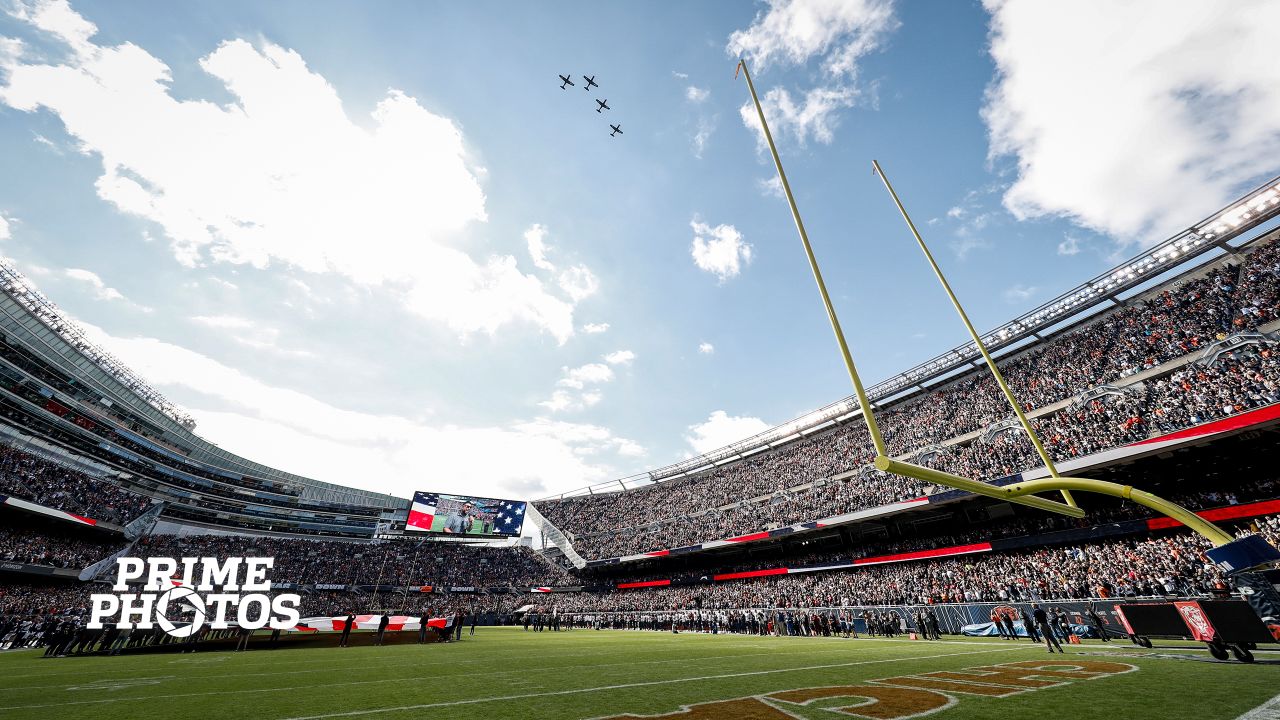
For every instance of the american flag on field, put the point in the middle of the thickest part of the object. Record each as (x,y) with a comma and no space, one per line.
(395,623)
(423,511)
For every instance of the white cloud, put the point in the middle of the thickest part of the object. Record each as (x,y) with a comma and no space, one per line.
(1020,293)
(589,374)
(706,127)
(956,212)
(706,348)
(58,19)
(966,243)
(250,333)
(1133,118)
(816,116)
(1069,246)
(100,289)
(42,140)
(595,328)
(560,401)
(300,433)
(771,187)
(721,429)
(795,31)
(719,250)
(226,322)
(281,175)
(620,357)
(535,238)
(696,94)
(228,285)
(579,283)
(572,393)
(588,439)
(679,75)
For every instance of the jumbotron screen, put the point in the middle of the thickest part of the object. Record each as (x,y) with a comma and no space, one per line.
(464,515)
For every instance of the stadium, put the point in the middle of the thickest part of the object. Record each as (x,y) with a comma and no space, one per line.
(799,572)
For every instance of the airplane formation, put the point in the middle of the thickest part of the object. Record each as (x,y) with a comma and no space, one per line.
(601,105)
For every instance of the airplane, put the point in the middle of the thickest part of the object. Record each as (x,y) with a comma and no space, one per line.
(566,80)
(591,82)
(617,129)
(604,105)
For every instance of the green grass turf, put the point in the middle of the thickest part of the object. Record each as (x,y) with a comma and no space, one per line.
(589,674)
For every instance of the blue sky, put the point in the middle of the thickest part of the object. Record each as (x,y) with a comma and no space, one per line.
(380,246)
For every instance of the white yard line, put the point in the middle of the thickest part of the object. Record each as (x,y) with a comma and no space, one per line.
(352,713)
(1269,710)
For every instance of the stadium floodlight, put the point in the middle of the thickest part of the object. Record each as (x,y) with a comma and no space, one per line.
(1024,492)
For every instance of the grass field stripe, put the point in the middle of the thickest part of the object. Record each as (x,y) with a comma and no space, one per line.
(146,698)
(650,683)
(629,663)
(1269,710)
(272,663)
(248,670)
(648,634)
(449,675)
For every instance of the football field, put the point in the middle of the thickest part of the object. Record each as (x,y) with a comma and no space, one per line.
(510,674)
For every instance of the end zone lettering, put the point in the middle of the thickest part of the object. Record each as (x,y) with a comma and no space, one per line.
(215,592)
(898,698)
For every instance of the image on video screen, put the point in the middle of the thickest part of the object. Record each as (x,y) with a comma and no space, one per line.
(464,515)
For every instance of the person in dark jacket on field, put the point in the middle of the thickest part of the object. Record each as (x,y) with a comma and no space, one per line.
(1042,622)
(1007,619)
(1032,633)
(1096,620)
(382,628)
(346,630)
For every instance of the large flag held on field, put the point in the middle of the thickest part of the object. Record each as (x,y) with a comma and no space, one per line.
(395,623)
(423,511)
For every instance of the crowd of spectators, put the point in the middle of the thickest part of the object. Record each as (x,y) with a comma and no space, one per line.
(793,483)
(1150,567)
(926,538)
(335,562)
(41,599)
(37,546)
(29,477)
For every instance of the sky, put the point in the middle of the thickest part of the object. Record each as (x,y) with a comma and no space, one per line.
(377,244)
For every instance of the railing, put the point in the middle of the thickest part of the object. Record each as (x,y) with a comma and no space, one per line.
(25,294)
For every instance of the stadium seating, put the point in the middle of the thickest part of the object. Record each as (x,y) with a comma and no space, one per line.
(1164,328)
(29,477)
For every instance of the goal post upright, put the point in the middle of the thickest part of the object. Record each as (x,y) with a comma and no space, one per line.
(1022,493)
(973,333)
(883,461)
